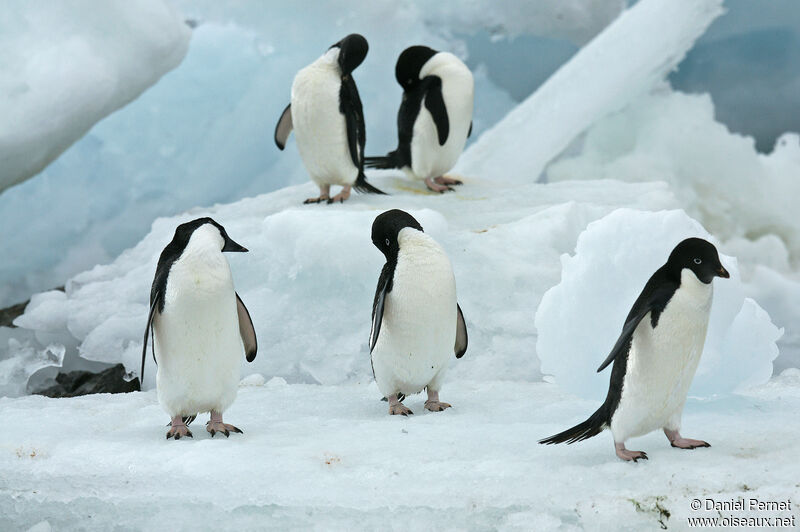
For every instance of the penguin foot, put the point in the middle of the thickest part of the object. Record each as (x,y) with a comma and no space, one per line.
(444,180)
(178,429)
(218,426)
(400,409)
(441,189)
(627,455)
(436,406)
(679,442)
(317,200)
(341,196)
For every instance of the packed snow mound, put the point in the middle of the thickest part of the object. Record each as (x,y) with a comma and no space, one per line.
(719,177)
(68,65)
(580,319)
(203,134)
(627,59)
(310,277)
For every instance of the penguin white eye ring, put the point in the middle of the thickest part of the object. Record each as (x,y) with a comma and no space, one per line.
(656,355)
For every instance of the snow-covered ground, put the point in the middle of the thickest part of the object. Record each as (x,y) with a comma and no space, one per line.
(331,458)
(644,166)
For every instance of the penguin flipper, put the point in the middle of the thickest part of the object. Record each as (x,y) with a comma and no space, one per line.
(593,426)
(147,330)
(461,334)
(246,330)
(434,102)
(283,127)
(350,107)
(384,287)
(653,300)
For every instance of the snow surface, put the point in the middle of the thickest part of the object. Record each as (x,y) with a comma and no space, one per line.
(66,66)
(613,260)
(631,56)
(331,458)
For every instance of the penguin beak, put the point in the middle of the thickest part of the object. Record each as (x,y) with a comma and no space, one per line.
(722,272)
(230,245)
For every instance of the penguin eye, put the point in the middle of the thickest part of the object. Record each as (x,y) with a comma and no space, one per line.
(387,242)
(697,261)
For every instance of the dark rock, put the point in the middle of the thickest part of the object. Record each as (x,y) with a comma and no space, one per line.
(9,314)
(77,383)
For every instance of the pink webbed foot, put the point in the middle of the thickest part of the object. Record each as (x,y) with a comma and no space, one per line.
(629,456)
(397,408)
(320,199)
(341,196)
(444,180)
(215,425)
(433,404)
(178,429)
(441,189)
(679,442)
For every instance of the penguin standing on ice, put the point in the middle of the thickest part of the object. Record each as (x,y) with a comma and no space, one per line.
(326,115)
(435,116)
(656,355)
(417,324)
(200,327)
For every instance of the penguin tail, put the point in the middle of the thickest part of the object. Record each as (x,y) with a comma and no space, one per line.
(385,162)
(593,426)
(362,186)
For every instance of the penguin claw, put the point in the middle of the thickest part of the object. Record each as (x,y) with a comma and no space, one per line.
(214,427)
(436,406)
(400,409)
(179,431)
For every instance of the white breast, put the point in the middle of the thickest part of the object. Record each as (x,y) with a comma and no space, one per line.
(428,158)
(319,127)
(418,331)
(662,362)
(198,346)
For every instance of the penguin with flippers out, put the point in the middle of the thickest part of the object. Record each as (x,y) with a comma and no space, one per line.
(417,324)
(434,119)
(656,355)
(328,120)
(200,327)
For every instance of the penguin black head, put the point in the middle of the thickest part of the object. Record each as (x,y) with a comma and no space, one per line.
(410,63)
(387,226)
(352,51)
(698,255)
(185,231)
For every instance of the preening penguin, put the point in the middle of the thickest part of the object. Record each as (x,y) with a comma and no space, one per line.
(417,324)
(326,115)
(200,327)
(656,356)
(435,116)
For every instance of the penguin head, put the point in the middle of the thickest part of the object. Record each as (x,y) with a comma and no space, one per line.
(698,255)
(410,63)
(210,230)
(352,51)
(387,226)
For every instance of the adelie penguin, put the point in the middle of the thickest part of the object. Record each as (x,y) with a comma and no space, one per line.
(417,324)
(435,116)
(328,121)
(655,357)
(200,328)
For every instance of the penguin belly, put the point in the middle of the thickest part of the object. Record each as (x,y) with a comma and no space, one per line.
(662,363)
(198,346)
(418,331)
(320,128)
(428,158)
